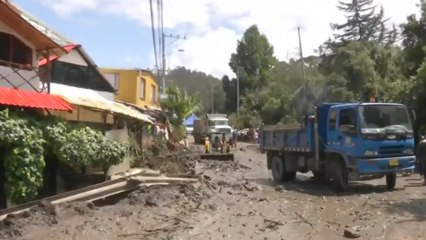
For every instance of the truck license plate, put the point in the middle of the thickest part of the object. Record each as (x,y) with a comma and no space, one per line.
(393,162)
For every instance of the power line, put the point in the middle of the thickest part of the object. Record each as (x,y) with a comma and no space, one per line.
(159,32)
(154,40)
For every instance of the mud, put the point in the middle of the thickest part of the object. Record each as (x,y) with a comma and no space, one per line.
(236,200)
(171,160)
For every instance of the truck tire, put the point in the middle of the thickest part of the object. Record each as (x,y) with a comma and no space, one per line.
(278,170)
(340,175)
(391,181)
(319,176)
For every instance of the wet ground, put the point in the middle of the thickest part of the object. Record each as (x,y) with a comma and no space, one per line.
(237,201)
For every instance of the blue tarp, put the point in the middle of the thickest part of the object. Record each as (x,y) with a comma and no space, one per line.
(190,120)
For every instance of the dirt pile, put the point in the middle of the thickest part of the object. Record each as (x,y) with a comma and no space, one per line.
(171,159)
(45,214)
(146,213)
(174,163)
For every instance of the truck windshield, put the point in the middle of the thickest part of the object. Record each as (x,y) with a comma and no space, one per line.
(384,119)
(220,122)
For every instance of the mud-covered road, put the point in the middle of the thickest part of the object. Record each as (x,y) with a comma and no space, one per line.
(237,201)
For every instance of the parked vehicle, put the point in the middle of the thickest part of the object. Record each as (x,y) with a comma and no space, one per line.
(343,142)
(217,123)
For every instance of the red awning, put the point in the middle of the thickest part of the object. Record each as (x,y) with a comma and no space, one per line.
(30,99)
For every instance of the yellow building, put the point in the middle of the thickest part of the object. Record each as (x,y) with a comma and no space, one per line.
(135,86)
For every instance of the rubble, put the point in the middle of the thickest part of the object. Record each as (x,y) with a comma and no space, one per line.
(237,200)
(349,233)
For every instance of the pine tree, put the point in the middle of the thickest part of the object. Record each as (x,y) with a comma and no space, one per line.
(362,24)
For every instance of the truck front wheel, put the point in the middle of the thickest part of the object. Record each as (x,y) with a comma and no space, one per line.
(391,181)
(340,175)
(278,170)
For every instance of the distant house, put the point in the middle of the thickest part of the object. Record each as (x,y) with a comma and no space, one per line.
(138,87)
(22,84)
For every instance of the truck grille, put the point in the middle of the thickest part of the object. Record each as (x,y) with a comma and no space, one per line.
(390,150)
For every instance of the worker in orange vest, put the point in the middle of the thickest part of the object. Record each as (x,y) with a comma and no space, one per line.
(207,145)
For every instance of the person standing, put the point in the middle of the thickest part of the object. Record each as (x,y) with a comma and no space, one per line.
(234,138)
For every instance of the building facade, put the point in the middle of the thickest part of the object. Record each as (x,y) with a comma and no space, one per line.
(134,86)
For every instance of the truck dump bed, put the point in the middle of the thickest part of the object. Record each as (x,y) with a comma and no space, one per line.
(286,138)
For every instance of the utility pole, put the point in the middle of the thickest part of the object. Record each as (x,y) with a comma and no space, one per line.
(302,61)
(212,98)
(238,93)
(163,52)
(305,84)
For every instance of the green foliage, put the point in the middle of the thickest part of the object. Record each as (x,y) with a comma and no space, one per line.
(199,84)
(358,61)
(252,63)
(362,22)
(25,141)
(24,157)
(179,105)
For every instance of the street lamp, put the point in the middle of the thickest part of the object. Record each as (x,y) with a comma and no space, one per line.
(179,50)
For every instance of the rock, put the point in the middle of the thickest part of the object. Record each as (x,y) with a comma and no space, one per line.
(349,233)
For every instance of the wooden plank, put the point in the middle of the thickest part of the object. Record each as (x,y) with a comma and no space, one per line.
(144,179)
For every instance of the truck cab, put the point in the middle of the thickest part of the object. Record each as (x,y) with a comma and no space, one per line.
(372,139)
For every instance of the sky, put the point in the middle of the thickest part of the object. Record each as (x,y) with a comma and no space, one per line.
(117,33)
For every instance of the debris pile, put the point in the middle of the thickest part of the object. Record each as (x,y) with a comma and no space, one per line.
(171,160)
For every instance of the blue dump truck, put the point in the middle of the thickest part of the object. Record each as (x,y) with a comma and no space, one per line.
(343,142)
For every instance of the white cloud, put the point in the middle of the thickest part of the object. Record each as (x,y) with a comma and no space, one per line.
(213,27)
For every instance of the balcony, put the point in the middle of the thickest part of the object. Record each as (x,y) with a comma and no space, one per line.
(19,76)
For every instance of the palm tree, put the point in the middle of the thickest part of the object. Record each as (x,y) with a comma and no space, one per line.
(179,106)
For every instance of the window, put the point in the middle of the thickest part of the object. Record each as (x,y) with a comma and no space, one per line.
(79,76)
(332,120)
(385,116)
(14,50)
(142,89)
(113,79)
(153,93)
(347,117)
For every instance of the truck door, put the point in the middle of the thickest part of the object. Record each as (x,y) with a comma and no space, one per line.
(343,125)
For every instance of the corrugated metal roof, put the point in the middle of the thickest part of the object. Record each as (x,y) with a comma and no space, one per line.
(30,99)
(91,99)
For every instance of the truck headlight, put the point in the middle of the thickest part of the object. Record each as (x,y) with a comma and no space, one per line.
(371,153)
(408,151)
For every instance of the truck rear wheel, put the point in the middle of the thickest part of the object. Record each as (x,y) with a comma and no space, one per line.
(391,181)
(278,170)
(340,176)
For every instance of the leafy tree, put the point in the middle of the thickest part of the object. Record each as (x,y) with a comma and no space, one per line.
(252,63)
(253,60)
(362,57)
(414,40)
(229,86)
(179,105)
